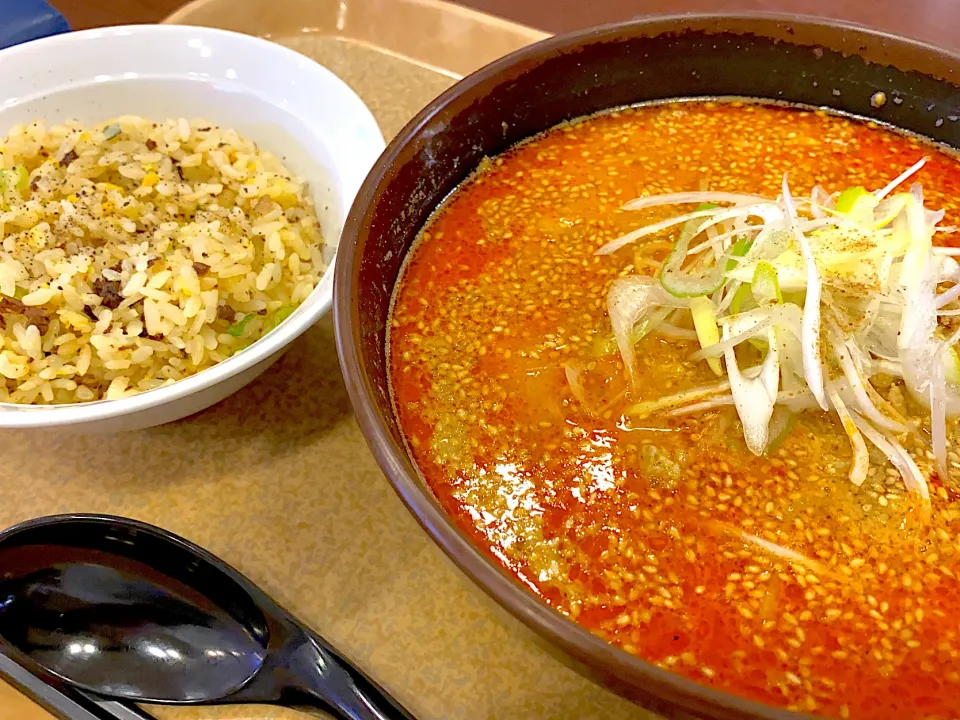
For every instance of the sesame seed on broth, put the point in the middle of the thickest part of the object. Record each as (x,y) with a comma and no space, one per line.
(656,534)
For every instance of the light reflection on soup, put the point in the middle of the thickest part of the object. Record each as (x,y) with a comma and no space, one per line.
(635,528)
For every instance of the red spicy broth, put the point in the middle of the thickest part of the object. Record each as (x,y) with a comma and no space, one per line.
(635,530)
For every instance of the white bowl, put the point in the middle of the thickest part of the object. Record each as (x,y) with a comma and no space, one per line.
(284,101)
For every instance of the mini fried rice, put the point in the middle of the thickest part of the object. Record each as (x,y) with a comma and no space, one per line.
(135,254)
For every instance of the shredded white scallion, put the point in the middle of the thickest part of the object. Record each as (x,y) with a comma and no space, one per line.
(830,289)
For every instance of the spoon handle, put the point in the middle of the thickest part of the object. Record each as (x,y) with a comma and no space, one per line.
(338,685)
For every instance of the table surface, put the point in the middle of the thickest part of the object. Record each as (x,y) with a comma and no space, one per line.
(934,21)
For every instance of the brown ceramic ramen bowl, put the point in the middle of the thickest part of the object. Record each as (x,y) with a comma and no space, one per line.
(799,60)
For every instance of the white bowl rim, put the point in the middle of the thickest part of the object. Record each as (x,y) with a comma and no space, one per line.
(13,416)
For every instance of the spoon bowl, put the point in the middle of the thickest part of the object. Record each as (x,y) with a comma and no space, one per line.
(126,610)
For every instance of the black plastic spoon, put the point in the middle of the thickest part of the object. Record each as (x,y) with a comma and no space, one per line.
(127,610)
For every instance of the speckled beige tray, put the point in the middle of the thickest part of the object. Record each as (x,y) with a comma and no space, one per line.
(278,480)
